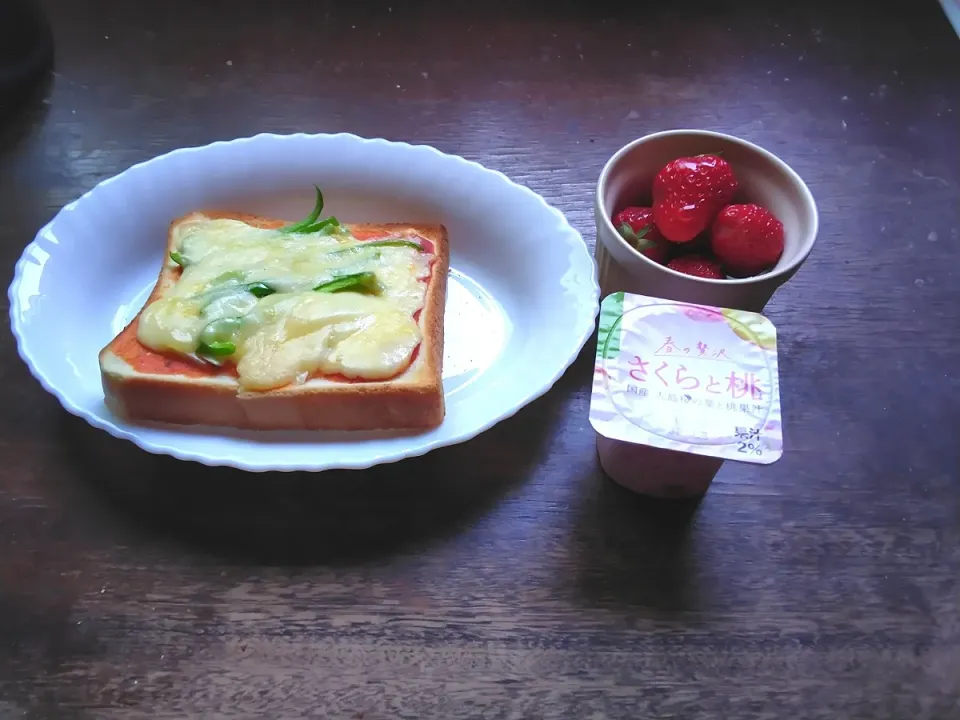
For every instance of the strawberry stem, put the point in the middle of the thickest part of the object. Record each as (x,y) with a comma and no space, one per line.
(644,243)
(638,239)
(627,232)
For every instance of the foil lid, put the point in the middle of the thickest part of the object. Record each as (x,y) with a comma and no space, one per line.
(691,378)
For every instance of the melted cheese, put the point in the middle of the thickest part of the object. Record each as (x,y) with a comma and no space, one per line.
(295,332)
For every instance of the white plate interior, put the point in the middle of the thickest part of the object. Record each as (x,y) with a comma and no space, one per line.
(522,294)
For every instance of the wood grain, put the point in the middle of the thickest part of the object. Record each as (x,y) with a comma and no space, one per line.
(506,578)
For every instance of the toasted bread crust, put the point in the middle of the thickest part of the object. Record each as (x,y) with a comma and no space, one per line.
(413,400)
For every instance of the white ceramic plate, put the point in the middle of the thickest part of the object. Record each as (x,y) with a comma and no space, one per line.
(522,296)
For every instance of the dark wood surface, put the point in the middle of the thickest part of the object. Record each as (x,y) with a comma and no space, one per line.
(506,578)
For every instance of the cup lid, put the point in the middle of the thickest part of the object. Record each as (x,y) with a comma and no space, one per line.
(692,378)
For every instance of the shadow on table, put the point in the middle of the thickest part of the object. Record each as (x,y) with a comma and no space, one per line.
(25,114)
(26,60)
(634,551)
(308,518)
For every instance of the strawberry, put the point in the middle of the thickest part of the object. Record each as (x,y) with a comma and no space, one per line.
(689,192)
(747,239)
(698,266)
(636,226)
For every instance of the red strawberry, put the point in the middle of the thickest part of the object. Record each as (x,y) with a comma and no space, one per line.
(636,226)
(747,239)
(698,266)
(689,192)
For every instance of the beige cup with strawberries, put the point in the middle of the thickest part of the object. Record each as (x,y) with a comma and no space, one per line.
(701,217)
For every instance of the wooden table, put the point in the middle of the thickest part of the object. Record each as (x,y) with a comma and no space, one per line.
(506,578)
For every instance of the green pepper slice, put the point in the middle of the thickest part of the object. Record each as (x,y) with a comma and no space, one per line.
(309,219)
(355,282)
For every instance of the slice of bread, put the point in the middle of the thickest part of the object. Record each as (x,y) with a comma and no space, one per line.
(143,385)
